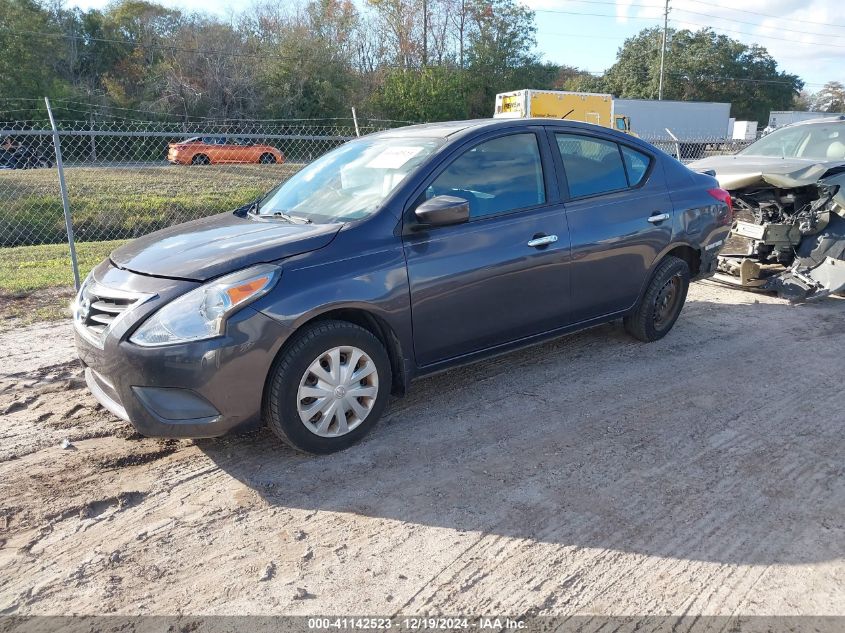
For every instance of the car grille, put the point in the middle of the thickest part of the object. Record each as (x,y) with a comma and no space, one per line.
(98,308)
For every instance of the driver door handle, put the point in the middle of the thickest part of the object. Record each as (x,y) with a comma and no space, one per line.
(545,240)
(658,217)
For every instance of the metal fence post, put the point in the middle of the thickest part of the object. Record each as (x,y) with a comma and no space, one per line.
(677,143)
(63,189)
(355,121)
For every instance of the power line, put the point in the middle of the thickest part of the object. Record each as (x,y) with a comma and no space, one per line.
(264,56)
(760,36)
(706,26)
(717,17)
(585,36)
(637,5)
(592,15)
(284,58)
(765,15)
(697,13)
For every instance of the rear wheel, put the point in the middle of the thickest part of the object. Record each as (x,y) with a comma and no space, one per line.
(328,388)
(267,159)
(200,159)
(662,302)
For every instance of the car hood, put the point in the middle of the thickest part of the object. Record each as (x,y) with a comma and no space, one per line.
(219,244)
(739,171)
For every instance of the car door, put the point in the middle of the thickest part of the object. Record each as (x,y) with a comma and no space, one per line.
(620,218)
(504,274)
(226,150)
(239,151)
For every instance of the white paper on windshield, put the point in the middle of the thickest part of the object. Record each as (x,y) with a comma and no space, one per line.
(394,157)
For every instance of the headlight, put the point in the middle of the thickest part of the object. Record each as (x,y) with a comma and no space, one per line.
(202,313)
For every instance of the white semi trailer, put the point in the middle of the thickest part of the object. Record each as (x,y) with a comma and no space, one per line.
(677,120)
(779,118)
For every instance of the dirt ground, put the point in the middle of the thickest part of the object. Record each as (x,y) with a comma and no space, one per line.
(702,474)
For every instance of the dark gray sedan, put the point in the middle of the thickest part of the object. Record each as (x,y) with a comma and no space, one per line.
(394,256)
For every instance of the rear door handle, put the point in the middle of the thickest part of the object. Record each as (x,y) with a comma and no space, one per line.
(545,240)
(659,217)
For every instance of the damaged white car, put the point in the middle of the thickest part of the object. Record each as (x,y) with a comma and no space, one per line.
(790,188)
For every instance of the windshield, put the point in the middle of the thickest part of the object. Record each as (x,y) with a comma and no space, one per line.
(821,141)
(350,182)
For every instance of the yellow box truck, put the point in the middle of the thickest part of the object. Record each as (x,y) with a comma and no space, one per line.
(589,107)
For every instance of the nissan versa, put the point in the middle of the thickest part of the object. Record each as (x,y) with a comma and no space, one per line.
(396,255)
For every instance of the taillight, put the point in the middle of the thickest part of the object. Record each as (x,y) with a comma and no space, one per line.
(723,196)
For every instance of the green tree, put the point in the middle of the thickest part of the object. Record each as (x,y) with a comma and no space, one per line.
(500,53)
(141,33)
(571,78)
(803,101)
(831,98)
(433,93)
(309,73)
(702,66)
(31,49)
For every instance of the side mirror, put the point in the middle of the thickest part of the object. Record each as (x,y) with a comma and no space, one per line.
(442,211)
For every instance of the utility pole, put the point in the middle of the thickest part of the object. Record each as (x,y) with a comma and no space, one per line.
(425,32)
(663,49)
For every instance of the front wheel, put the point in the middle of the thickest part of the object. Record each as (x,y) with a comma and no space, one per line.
(662,302)
(328,388)
(267,159)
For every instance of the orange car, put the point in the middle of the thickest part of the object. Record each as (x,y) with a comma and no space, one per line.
(214,150)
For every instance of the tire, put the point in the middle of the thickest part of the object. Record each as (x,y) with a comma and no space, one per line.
(662,302)
(285,406)
(267,159)
(200,159)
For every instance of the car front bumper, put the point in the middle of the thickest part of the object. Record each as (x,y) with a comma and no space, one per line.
(198,389)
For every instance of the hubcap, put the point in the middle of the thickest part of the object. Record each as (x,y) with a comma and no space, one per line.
(337,391)
(667,301)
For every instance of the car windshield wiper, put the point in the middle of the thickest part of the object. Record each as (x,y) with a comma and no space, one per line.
(252,210)
(293,219)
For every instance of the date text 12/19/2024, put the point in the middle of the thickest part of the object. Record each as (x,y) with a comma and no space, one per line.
(416,624)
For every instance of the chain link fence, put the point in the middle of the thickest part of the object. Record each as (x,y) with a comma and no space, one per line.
(690,150)
(125,178)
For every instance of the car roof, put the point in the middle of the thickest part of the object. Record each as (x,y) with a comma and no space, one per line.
(443,129)
(820,121)
(452,129)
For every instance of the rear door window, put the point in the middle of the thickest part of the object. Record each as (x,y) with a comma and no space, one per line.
(497,176)
(593,166)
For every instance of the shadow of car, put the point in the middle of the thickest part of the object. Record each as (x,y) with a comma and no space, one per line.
(593,441)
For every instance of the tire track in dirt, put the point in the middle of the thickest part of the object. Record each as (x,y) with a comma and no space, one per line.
(711,517)
(588,475)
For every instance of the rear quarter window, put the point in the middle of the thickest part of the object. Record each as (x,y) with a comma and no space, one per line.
(636,164)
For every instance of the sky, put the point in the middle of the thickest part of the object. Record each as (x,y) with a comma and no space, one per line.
(806,37)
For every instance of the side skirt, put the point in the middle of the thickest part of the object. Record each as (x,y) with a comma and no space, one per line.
(506,348)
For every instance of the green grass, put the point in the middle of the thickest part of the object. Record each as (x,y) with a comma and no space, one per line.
(124,202)
(27,268)
(109,205)
(36,282)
